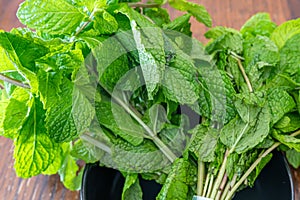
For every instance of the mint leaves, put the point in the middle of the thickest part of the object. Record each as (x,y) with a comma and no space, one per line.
(121,84)
(51,16)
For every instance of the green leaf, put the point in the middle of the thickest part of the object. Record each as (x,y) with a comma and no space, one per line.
(112,60)
(243,134)
(5,64)
(71,114)
(157,117)
(152,61)
(105,23)
(237,164)
(3,105)
(145,158)
(231,164)
(115,72)
(160,16)
(282,123)
(216,95)
(175,138)
(134,15)
(280,103)
(130,82)
(181,24)
(258,24)
(22,53)
(54,17)
(285,31)
(179,83)
(49,87)
(249,105)
(290,141)
(89,4)
(231,41)
(8,87)
(182,176)
(260,54)
(86,152)
(70,174)
(204,142)
(218,31)
(34,150)
(92,41)
(289,123)
(57,163)
(15,113)
(64,60)
(289,56)
(177,87)
(113,117)
(132,189)
(293,158)
(23,49)
(198,11)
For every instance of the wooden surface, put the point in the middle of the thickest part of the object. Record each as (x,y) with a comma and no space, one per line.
(231,13)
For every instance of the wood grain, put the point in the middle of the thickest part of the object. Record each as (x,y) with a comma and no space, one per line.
(8,10)
(231,13)
(36,188)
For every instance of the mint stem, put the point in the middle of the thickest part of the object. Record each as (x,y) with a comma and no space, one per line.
(96,143)
(13,81)
(222,186)
(210,186)
(253,166)
(86,23)
(244,74)
(220,176)
(201,174)
(162,147)
(229,186)
(206,184)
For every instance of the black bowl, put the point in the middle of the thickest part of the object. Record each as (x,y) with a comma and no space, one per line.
(274,183)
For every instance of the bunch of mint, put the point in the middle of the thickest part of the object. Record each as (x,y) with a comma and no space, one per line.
(119,83)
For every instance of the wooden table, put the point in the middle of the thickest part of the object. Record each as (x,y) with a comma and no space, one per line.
(231,13)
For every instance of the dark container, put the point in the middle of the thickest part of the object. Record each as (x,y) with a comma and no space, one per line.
(274,183)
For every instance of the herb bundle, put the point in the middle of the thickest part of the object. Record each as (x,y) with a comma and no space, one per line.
(120,83)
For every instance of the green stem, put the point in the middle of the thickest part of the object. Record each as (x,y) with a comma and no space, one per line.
(210,186)
(1,87)
(239,138)
(220,176)
(229,186)
(222,186)
(96,143)
(86,23)
(201,174)
(253,166)
(226,190)
(206,185)
(13,81)
(162,147)
(247,80)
